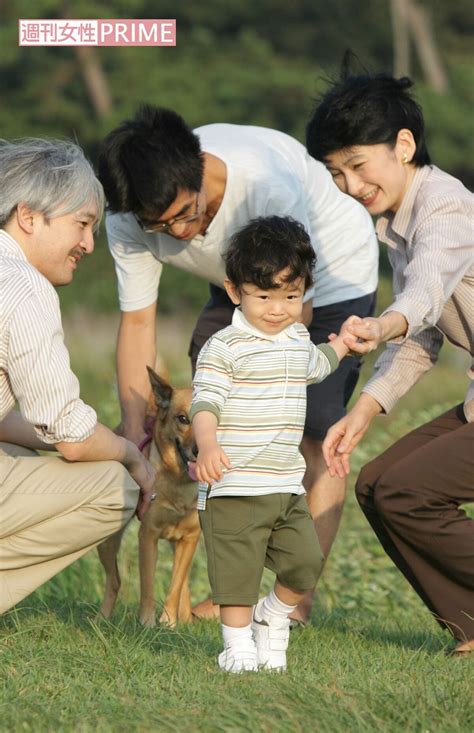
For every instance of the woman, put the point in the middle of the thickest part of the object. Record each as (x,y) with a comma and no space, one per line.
(370,134)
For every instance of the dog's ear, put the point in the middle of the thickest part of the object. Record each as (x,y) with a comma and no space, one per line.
(162,391)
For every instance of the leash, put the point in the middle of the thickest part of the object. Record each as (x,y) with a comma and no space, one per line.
(149,428)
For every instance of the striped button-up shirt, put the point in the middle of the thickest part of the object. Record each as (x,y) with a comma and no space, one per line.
(255,384)
(34,362)
(431,250)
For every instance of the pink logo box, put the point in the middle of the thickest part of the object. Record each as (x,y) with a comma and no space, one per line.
(101,32)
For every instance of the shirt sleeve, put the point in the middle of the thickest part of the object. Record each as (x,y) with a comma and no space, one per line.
(323,360)
(401,365)
(441,256)
(213,379)
(46,389)
(138,270)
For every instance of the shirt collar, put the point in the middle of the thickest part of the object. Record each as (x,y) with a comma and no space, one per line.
(11,246)
(239,321)
(400,221)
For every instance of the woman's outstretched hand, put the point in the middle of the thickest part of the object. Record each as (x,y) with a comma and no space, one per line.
(343,436)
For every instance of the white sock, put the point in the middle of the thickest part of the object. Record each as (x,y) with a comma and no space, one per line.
(231,634)
(240,652)
(272,607)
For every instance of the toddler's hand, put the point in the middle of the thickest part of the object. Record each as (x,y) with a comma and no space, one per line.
(344,341)
(346,331)
(209,463)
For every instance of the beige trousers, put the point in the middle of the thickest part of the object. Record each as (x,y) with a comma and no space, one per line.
(52,512)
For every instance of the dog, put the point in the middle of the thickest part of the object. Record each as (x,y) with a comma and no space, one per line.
(172,515)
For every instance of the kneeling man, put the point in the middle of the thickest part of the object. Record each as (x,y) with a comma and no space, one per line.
(52,509)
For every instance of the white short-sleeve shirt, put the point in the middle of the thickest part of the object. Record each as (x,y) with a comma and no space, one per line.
(268,173)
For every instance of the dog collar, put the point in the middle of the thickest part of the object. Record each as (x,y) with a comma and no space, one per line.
(149,427)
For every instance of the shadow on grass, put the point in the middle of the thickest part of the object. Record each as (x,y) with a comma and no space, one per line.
(37,616)
(390,633)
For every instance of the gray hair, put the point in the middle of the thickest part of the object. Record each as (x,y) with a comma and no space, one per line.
(50,176)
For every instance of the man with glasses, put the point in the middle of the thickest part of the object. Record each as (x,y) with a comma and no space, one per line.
(167,227)
(177,196)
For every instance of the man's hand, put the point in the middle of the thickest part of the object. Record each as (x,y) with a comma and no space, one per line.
(209,462)
(104,445)
(144,474)
(344,435)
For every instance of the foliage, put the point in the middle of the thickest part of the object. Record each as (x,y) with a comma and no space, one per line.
(240,61)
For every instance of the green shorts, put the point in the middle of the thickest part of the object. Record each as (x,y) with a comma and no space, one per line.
(244,534)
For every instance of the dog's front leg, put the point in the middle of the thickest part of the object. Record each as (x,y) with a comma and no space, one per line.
(108,552)
(178,602)
(148,553)
(185,606)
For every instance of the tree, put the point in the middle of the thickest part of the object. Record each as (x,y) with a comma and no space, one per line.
(411,20)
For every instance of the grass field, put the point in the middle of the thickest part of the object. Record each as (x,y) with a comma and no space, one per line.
(372,659)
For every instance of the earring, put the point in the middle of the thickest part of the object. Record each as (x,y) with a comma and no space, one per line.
(405,158)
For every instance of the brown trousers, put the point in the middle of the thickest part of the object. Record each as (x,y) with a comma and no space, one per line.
(411,496)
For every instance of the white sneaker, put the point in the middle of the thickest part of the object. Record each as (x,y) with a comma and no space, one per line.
(271,639)
(239,656)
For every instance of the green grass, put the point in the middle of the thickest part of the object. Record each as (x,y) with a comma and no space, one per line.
(346,673)
(371,660)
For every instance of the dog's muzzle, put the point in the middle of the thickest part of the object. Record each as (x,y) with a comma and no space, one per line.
(182,454)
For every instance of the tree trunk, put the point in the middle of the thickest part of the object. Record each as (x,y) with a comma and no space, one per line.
(92,72)
(433,69)
(401,38)
(94,79)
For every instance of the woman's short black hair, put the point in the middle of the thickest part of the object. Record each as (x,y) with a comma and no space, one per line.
(367,109)
(259,251)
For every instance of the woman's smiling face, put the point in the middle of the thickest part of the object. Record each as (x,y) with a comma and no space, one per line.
(378,176)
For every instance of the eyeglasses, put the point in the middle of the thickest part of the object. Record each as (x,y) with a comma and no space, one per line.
(167,226)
